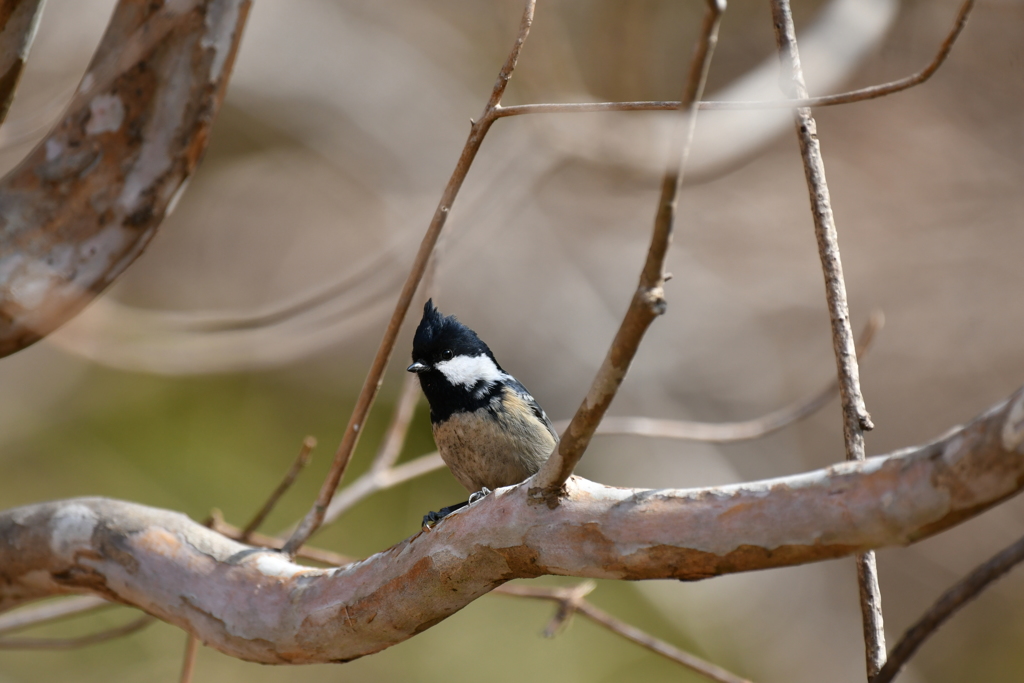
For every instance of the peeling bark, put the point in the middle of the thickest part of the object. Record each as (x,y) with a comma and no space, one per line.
(255,604)
(86,201)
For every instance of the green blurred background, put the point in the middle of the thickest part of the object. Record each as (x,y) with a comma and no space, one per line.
(340,127)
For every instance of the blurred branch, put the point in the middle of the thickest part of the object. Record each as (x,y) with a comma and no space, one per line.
(19,20)
(51,611)
(188,663)
(727,432)
(856,419)
(255,604)
(81,641)
(649,299)
(378,480)
(301,460)
(85,202)
(571,601)
(952,600)
(859,95)
(478,130)
(325,557)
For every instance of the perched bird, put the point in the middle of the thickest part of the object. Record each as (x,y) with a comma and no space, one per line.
(487,427)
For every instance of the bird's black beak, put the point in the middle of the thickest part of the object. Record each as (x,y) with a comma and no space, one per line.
(418,367)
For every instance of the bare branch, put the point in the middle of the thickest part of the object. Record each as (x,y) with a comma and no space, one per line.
(301,460)
(856,419)
(952,600)
(325,557)
(649,299)
(374,481)
(571,600)
(314,518)
(861,94)
(18,22)
(81,641)
(728,432)
(188,663)
(51,611)
(394,437)
(85,202)
(255,604)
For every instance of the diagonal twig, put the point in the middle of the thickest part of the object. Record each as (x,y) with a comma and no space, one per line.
(51,611)
(856,419)
(861,94)
(314,518)
(571,600)
(301,460)
(649,299)
(80,641)
(728,432)
(946,606)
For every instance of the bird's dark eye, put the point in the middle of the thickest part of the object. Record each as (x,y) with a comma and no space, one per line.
(447,354)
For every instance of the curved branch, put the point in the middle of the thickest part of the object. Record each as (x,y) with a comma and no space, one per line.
(256,605)
(18,23)
(86,201)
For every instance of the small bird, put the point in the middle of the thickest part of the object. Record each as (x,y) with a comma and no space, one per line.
(488,428)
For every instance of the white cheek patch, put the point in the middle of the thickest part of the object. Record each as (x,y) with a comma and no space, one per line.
(468,370)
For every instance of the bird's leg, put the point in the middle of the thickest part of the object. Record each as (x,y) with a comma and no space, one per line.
(432,518)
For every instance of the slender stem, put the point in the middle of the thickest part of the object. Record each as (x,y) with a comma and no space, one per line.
(394,437)
(855,415)
(188,663)
(314,518)
(946,606)
(730,432)
(860,95)
(378,480)
(81,641)
(571,600)
(301,460)
(649,299)
(51,611)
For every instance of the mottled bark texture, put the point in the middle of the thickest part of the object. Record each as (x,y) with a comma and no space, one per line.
(257,605)
(86,201)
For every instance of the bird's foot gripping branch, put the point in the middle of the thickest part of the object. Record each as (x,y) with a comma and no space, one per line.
(257,605)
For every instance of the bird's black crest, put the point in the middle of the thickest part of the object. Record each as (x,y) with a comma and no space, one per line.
(437,332)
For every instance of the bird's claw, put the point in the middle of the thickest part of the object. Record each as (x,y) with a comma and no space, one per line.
(431,519)
(479,495)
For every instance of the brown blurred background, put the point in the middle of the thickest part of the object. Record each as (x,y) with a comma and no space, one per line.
(341,125)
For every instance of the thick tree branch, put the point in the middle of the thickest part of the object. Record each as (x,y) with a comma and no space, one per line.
(257,605)
(83,205)
(18,22)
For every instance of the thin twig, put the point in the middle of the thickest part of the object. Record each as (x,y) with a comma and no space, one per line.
(51,611)
(394,437)
(301,460)
(332,559)
(729,432)
(649,299)
(374,481)
(188,663)
(81,641)
(861,94)
(571,600)
(314,518)
(856,419)
(952,600)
